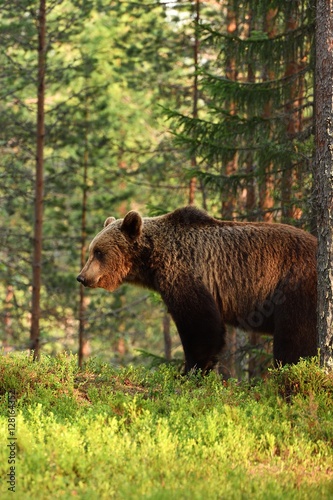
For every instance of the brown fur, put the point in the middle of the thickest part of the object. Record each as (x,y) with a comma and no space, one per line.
(257,276)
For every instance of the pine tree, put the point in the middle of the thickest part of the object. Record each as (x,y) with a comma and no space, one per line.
(39,185)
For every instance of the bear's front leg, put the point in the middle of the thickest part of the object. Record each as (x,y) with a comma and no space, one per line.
(199,325)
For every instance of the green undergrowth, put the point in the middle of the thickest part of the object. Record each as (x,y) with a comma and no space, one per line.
(137,433)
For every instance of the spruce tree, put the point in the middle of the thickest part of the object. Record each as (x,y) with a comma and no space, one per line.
(257,98)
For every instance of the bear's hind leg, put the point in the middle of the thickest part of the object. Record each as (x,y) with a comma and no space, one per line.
(295,334)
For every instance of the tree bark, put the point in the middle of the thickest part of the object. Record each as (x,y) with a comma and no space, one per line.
(266,181)
(228,201)
(167,336)
(39,188)
(8,306)
(83,303)
(193,181)
(324,176)
(291,118)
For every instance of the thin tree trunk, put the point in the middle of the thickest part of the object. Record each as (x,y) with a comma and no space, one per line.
(8,306)
(83,298)
(250,202)
(227,362)
(167,336)
(193,181)
(39,187)
(83,342)
(228,199)
(291,114)
(254,338)
(324,162)
(266,182)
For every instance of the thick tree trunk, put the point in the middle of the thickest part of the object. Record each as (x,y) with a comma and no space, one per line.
(39,188)
(324,176)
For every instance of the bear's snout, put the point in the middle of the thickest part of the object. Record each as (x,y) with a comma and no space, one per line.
(81,279)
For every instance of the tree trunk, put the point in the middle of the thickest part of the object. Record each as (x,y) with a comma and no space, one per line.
(8,330)
(291,117)
(39,188)
(83,304)
(266,181)
(324,162)
(227,197)
(167,336)
(250,203)
(193,181)
(228,359)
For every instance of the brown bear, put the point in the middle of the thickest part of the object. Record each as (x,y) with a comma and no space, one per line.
(257,276)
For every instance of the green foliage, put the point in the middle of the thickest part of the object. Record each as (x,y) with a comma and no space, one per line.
(109,69)
(255,108)
(134,433)
(113,68)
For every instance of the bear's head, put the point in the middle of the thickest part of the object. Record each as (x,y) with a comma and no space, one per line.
(112,252)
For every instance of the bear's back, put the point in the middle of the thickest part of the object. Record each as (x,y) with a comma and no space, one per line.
(192,228)
(245,261)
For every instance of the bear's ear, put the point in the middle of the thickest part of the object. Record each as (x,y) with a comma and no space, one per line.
(108,221)
(132,225)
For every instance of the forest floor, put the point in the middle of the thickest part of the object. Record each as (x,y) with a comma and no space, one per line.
(135,433)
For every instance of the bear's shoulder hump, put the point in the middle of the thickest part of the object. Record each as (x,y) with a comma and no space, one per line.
(190,215)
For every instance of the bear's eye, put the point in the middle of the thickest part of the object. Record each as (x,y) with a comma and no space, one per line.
(98,254)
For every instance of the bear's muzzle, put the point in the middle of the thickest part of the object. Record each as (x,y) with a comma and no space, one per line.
(81,279)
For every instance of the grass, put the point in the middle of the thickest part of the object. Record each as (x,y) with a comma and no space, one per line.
(136,433)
